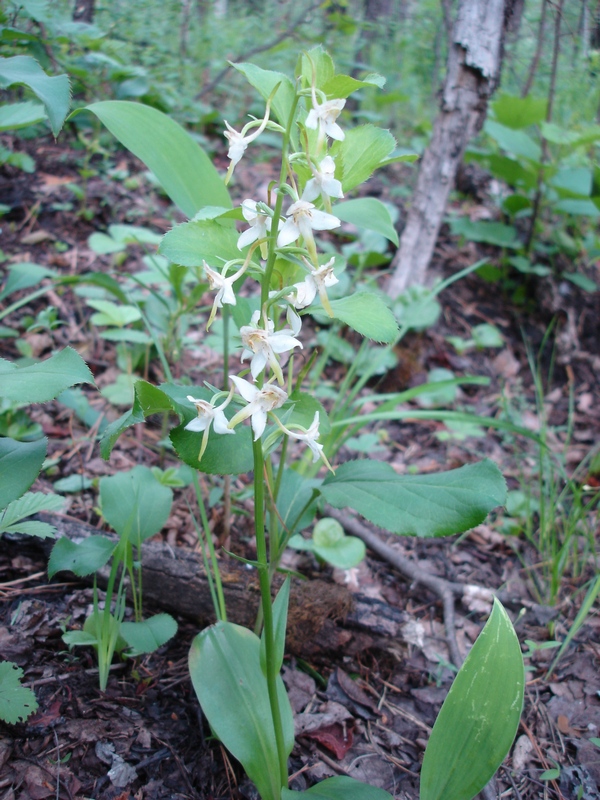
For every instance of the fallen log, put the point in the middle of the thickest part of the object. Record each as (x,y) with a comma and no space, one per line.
(324,617)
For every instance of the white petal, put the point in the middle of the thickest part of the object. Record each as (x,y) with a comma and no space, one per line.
(312,190)
(282,342)
(197,424)
(258,363)
(220,423)
(259,422)
(321,221)
(245,389)
(312,119)
(288,234)
(333,130)
(247,237)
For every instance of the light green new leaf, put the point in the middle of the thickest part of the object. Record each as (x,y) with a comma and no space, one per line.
(190,243)
(265,80)
(362,151)
(20,464)
(21,115)
(513,141)
(134,503)
(45,380)
(16,702)
(417,505)
(478,721)
(344,85)
(81,558)
(519,112)
(224,665)
(367,314)
(54,92)
(495,233)
(148,635)
(330,543)
(181,166)
(339,788)
(369,213)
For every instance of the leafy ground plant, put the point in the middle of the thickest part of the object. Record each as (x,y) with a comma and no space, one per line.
(285,278)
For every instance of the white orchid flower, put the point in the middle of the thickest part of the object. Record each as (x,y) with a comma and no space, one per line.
(224,287)
(303,218)
(239,140)
(324,115)
(316,282)
(323,183)
(261,346)
(260,226)
(208,414)
(309,436)
(260,402)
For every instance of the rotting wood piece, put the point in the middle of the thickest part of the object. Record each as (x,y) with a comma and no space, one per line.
(324,617)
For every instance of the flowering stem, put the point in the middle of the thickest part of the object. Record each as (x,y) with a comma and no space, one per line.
(266,281)
(266,604)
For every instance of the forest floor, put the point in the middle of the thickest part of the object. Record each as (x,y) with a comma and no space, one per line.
(145,737)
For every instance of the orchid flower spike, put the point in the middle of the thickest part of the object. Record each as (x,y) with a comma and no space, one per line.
(209,414)
(260,402)
(262,344)
(316,282)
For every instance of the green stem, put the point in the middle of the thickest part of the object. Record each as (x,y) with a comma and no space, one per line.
(267,607)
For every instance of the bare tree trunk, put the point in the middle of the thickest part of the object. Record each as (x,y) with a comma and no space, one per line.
(83,11)
(474,64)
(538,51)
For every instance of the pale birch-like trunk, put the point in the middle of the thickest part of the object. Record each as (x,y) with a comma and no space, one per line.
(474,64)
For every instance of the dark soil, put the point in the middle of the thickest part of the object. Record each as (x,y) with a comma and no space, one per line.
(145,737)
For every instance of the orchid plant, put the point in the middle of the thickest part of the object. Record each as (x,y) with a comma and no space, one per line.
(267,280)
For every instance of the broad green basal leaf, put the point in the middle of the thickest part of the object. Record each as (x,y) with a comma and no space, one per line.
(207,240)
(368,314)
(478,721)
(362,151)
(417,505)
(183,169)
(226,674)
(369,213)
(21,115)
(20,463)
(265,80)
(41,382)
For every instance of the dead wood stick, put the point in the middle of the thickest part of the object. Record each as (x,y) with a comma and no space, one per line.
(445,590)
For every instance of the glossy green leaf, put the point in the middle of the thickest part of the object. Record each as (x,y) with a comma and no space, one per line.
(280,614)
(345,85)
(495,233)
(338,788)
(226,674)
(20,464)
(519,112)
(369,213)
(362,151)
(53,91)
(265,80)
(417,505)
(478,721)
(21,115)
(330,543)
(191,243)
(17,702)
(367,314)
(45,380)
(134,503)
(149,634)
(183,169)
(81,558)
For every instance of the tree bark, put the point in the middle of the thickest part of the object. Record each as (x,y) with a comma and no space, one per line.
(473,72)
